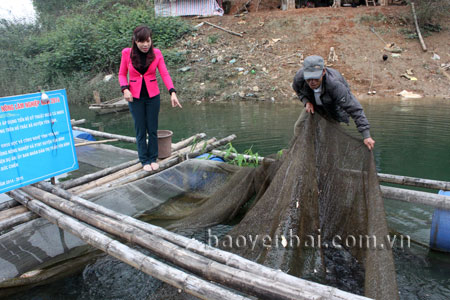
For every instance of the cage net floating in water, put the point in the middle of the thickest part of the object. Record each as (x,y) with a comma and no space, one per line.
(316,214)
(39,244)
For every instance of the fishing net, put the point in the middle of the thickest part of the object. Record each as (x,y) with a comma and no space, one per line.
(317,214)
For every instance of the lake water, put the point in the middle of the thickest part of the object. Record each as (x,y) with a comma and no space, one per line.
(412,139)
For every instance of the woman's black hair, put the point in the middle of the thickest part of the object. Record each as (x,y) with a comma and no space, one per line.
(141,34)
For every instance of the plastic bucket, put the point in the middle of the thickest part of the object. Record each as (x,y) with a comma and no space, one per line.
(164,143)
(440,228)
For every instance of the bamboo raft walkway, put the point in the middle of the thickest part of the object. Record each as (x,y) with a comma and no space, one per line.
(201,270)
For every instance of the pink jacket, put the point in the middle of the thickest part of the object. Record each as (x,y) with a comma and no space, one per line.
(135,82)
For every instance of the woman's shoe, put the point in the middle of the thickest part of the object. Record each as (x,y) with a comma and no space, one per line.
(147,168)
(154,166)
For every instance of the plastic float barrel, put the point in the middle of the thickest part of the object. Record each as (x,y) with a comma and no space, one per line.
(211,157)
(440,228)
(82,135)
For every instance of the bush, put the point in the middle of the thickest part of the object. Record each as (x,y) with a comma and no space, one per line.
(431,14)
(78,46)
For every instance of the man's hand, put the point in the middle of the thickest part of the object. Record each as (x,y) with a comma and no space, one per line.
(369,142)
(174,99)
(127,95)
(309,108)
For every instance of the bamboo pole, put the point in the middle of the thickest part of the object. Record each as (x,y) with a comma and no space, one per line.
(8,204)
(123,138)
(90,177)
(218,255)
(184,143)
(8,213)
(106,179)
(191,284)
(212,146)
(244,281)
(414,181)
(96,142)
(435,200)
(77,122)
(17,220)
(422,43)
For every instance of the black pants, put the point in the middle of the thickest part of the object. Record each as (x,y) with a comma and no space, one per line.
(145,113)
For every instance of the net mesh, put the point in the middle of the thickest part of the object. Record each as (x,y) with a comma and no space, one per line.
(317,214)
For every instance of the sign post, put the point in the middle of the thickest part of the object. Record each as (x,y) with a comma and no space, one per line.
(36,140)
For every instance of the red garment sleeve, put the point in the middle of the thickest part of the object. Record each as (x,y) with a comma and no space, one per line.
(165,74)
(123,70)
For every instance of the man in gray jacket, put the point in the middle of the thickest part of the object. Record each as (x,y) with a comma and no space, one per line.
(324,89)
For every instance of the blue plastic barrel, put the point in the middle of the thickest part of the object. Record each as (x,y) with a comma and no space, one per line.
(83,135)
(211,157)
(440,228)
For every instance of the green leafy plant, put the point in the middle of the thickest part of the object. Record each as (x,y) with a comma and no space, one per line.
(212,39)
(246,159)
(280,154)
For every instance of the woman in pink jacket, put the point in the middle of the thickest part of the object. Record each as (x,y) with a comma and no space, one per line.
(142,93)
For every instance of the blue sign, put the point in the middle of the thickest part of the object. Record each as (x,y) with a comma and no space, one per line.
(36,140)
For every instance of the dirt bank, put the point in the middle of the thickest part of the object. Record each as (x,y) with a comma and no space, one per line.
(261,64)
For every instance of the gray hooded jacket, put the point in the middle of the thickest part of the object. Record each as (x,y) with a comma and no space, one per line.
(337,99)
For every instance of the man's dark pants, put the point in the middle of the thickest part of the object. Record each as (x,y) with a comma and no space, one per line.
(145,113)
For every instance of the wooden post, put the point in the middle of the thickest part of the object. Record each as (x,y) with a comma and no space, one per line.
(175,277)
(422,43)
(97,97)
(287,4)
